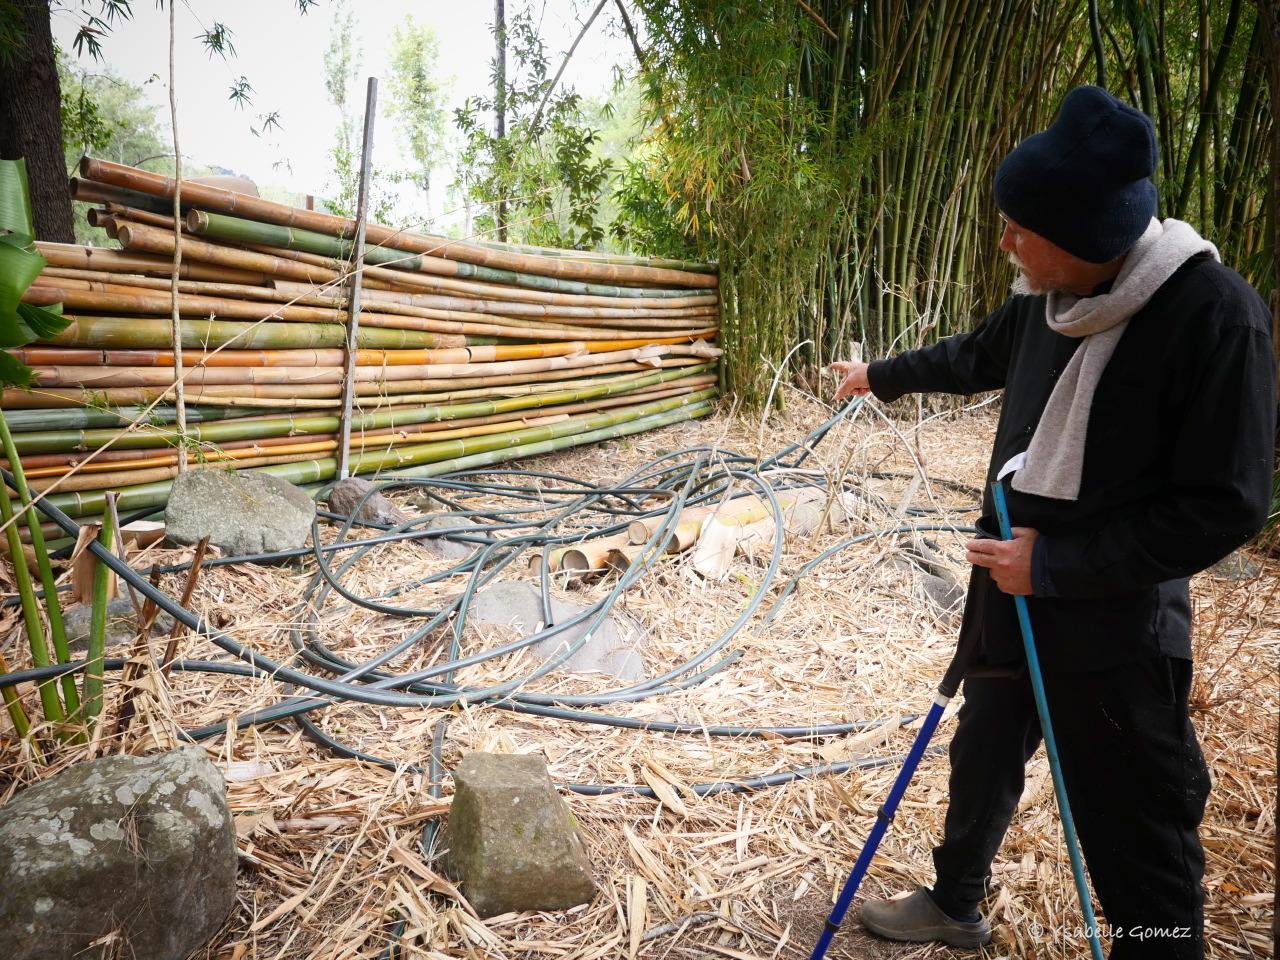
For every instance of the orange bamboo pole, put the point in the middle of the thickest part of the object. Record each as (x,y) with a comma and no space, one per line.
(40,355)
(154,376)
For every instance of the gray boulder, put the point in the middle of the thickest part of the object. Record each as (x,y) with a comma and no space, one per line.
(613,648)
(512,842)
(139,850)
(122,624)
(935,581)
(1235,566)
(376,509)
(445,547)
(240,512)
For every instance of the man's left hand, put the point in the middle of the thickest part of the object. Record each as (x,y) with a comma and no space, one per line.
(1008,560)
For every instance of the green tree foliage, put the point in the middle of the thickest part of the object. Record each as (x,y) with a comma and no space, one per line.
(417,102)
(108,117)
(342,62)
(547,167)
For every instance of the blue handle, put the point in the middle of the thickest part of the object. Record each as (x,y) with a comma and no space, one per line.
(1050,744)
(884,816)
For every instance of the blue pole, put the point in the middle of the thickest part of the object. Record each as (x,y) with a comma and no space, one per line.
(1050,744)
(884,816)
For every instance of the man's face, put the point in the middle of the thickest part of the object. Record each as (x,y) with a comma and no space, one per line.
(1043,265)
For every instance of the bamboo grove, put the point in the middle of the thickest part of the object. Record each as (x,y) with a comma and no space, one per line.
(836,157)
(468,353)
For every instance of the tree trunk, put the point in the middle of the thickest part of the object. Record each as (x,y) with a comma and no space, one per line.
(500,95)
(31,123)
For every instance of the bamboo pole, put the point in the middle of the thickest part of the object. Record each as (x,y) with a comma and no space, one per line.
(304,440)
(484,353)
(266,426)
(294,395)
(255,208)
(489,299)
(295,299)
(115,376)
(268,236)
(433,460)
(118,261)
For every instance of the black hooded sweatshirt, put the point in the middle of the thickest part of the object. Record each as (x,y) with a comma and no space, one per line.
(1177,464)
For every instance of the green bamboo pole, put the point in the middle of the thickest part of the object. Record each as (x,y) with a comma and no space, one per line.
(147,437)
(49,700)
(153,333)
(237,230)
(98,621)
(17,716)
(314,471)
(541,447)
(53,608)
(29,421)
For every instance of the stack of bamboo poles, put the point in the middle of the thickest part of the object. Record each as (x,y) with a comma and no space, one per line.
(468,353)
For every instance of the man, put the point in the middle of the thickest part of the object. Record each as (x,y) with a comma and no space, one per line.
(1135,443)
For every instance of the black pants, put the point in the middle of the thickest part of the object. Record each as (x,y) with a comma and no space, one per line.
(1137,783)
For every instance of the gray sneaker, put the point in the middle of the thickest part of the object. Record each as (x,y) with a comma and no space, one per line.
(918,919)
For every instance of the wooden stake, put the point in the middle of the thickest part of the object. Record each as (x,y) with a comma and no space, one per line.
(357,272)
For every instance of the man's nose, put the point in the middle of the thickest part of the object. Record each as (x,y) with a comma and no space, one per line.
(1006,239)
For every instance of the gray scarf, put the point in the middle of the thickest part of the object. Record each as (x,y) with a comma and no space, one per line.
(1053,464)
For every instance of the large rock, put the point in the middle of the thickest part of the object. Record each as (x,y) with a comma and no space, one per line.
(512,841)
(122,624)
(935,581)
(613,647)
(240,512)
(447,547)
(139,847)
(376,509)
(1236,566)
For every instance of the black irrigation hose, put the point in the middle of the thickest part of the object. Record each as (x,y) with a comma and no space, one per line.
(678,476)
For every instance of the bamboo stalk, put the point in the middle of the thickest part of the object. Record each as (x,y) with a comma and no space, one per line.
(50,702)
(294,393)
(52,606)
(91,377)
(236,452)
(152,332)
(69,255)
(435,459)
(258,428)
(254,208)
(73,356)
(119,289)
(92,696)
(235,230)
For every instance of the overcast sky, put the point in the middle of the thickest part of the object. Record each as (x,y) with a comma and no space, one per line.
(281,54)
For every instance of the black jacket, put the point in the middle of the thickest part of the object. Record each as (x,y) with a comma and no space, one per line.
(1177,466)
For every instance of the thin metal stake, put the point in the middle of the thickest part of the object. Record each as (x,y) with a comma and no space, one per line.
(357,273)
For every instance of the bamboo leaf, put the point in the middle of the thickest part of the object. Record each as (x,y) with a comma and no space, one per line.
(15,200)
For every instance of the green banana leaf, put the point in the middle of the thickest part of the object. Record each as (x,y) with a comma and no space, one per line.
(20,264)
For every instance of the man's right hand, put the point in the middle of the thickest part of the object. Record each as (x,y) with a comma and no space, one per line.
(854,382)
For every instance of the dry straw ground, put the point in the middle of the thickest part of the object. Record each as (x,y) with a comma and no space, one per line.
(329,848)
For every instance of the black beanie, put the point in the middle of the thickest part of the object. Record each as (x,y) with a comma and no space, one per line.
(1084,184)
